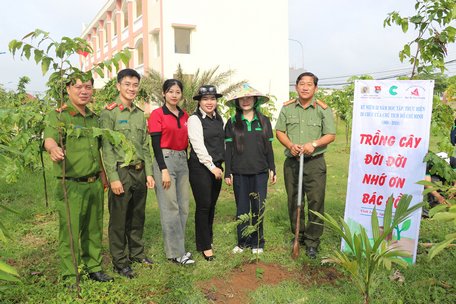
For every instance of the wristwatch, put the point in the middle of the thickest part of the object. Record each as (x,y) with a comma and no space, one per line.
(314,144)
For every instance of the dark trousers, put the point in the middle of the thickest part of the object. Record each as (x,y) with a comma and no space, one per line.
(250,193)
(313,189)
(206,190)
(126,220)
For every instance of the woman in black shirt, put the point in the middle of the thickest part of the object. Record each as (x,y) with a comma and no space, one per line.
(205,131)
(249,162)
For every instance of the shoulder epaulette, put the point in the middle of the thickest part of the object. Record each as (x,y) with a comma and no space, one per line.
(286,103)
(323,105)
(111,106)
(59,110)
(93,113)
(138,107)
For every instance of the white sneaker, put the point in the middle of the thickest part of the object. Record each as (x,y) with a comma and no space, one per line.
(238,249)
(188,255)
(184,260)
(257,250)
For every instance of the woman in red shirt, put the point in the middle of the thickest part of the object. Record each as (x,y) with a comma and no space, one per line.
(168,129)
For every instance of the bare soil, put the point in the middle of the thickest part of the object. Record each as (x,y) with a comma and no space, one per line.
(248,277)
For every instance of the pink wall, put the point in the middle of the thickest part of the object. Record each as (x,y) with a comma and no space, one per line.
(98,34)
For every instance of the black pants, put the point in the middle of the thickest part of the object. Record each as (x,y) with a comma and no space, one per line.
(250,193)
(206,190)
(126,218)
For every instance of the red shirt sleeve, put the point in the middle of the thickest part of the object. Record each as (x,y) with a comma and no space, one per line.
(154,123)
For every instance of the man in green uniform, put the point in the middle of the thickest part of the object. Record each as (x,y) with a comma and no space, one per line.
(83,180)
(128,182)
(306,126)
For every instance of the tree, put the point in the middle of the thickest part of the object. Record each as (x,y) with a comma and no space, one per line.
(21,125)
(55,56)
(151,85)
(432,21)
(366,256)
(450,92)
(444,212)
(341,101)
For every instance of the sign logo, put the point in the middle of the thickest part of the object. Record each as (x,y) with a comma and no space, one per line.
(365,90)
(392,90)
(378,89)
(416,92)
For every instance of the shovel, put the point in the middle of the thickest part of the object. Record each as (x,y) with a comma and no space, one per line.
(295,251)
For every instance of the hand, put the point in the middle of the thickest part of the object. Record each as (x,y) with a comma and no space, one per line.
(272,177)
(117,187)
(229,180)
(150,182)
(442,200)
(295,149)
(308,149)
(217,173)
(166,179)
(56,154)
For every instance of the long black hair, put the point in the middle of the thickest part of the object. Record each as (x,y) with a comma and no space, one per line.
(239,129)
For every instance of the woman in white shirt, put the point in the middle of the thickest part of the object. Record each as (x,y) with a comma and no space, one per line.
(206,135)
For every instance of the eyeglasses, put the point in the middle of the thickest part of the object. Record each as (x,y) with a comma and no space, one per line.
(208,90)
(130,85)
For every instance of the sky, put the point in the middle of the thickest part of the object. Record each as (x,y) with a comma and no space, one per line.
(338,38)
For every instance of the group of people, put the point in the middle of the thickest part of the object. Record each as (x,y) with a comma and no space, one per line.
(86,164)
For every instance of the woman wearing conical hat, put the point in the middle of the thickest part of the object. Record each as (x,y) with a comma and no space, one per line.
(249,162)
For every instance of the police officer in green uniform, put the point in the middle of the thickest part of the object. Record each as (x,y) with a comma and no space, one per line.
(83,180)
(306,126)
(128,182)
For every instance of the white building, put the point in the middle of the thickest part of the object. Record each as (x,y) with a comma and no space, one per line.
(248,36)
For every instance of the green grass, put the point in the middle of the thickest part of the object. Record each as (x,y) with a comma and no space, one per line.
(33,245)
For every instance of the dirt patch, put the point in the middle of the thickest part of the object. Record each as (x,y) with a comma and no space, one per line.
(319,275)
(248,277)
(31,240)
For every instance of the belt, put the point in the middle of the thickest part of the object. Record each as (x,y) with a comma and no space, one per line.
(308,157)
(313,157)
(85,179)
(138,166)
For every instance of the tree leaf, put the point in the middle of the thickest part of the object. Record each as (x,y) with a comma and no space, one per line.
(26,50)
(374,224)
(406,50)
(38,55)
(404,25)
(444,216)
(437,209)
(45,65)
(436,249)
(5,268)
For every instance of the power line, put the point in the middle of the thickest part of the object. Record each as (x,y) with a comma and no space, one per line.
(407,71)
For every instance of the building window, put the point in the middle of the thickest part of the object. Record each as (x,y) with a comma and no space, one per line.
(138,8)
(125,15)
(182,40)
(156,42)
(139,52)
